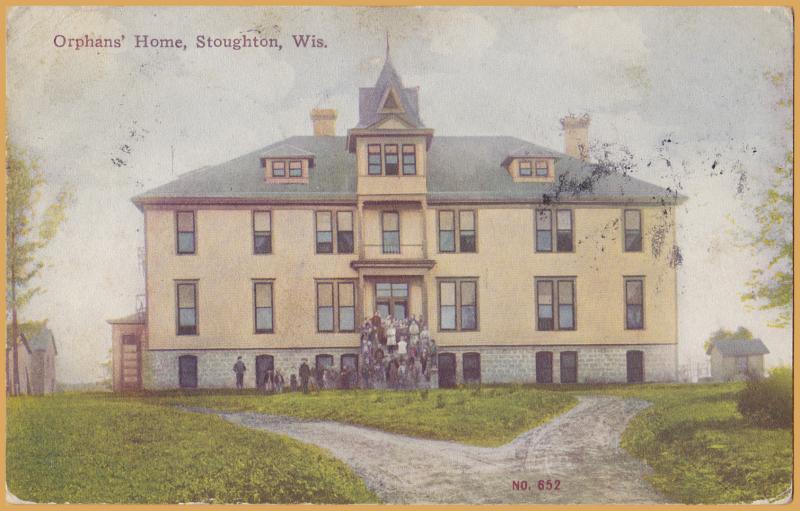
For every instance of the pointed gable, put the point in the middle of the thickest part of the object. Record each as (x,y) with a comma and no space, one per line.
(388,98)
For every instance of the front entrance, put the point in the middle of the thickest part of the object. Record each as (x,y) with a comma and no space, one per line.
(131,363)
(391,298)
(544,367)
(264,363)
(447,370)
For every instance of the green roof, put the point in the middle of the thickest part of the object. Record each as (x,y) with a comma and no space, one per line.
(458,169)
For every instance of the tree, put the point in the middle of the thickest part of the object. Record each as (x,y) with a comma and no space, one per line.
(724,335)
(770,288)
(29,228)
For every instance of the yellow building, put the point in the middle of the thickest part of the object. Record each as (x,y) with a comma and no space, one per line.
(527,264)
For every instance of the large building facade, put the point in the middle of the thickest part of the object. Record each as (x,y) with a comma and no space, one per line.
(528,264)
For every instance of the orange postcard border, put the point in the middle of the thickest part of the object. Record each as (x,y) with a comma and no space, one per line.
(395,3)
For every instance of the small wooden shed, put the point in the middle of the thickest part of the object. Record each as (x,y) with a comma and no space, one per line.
(127,343)
(733,359)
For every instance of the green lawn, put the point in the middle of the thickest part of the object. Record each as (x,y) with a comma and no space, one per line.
(98,448)
(95,448)
(701,448)
(485,417)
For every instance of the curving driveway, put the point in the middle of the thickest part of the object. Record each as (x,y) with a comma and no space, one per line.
(579,448)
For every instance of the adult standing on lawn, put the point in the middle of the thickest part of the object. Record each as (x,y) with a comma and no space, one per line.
(239,368)
(305,374)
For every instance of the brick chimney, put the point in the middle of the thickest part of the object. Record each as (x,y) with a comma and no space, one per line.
(324,122)
(576,135)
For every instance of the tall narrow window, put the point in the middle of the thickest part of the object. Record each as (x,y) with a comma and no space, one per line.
(391,232)
(541,168)
(409,159)
(544,303)
(633,230)
(569,366)
(447,231)
(295,168)
(469,302)
(185,228)
(187,308)
(392,159)
(324,232)
(278,169)
(447,305)
(344,232)
(566,305)
(262,232)
(634,304)
(525,169)
(325,306)
(466,231)
(374,160)
(262,292)
(347,307)
(544,230)
(564,230)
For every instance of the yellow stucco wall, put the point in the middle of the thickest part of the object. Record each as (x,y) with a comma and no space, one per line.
(505,265)
(391,185)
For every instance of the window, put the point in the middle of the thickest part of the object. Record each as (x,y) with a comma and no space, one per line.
(374,160)
(633,230)
(541,168)
(447,231)
(325,306)
(187,308)
(544,230)
(409,159)
(544,367)
(634,304)
(347,306)
(349,361)
(635,366)
(569,367)
(185,228)
(466,231)
(336,306)
(262,232)
(187,371)
(471,363)
(458,304)
(392,158)
(295,168)
(344,232)
(525,168)
(323,362)
(390,223)
(550,292)
(278,169)
(324,232)
(262,297)
(563,230)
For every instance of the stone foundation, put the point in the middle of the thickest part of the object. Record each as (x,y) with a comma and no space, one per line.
(504,364)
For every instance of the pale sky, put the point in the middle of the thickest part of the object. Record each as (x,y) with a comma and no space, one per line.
(695,76)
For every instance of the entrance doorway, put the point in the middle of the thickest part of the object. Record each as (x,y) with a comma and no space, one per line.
(447,370)
(391,298)
(131,361)
(264,363)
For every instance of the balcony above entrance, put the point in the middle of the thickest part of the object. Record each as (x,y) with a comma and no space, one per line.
(392,266)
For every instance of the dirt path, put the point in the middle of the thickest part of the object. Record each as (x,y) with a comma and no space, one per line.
(579,448)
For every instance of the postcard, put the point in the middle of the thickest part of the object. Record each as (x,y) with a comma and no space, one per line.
(399,255)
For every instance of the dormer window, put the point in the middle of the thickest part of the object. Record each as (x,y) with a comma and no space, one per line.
(409,159)
(525,169)
(374,152)
(542,169)
(392,161)
(389,159)
(530,169)
(287,164)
